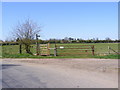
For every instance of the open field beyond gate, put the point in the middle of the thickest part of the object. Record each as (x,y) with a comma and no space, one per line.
(100,49)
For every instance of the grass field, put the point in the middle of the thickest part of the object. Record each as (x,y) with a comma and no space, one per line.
(101,51)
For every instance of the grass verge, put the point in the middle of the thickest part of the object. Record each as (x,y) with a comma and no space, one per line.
(109,57)
(80,56)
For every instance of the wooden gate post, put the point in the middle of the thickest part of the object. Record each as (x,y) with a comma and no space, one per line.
(37,47)
(20,48)
(48,47)
(93,50)
(108,49)
(55,50)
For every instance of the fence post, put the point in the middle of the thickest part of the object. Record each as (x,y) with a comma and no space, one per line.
(108,49)
(20,48)
(48,47)
(55,51)
(37,47)
(93,50)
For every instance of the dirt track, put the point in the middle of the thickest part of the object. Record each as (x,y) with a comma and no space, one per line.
(79,73)
(100,65)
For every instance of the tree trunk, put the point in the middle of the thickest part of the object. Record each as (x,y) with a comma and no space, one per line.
(27,47)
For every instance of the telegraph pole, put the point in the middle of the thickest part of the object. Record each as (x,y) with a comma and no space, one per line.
(37,47)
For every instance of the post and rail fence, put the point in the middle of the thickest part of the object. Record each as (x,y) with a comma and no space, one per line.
(60,49)
(66,50)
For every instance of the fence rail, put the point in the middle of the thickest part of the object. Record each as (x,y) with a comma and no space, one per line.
(65,50)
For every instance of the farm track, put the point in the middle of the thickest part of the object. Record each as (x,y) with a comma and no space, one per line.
(60,73)
(100,65)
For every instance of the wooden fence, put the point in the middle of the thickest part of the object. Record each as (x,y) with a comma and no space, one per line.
(44,49)
(66,50)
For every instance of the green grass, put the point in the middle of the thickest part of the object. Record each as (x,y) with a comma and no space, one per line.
(108,57)
(33,56)
(100,47)
(80,56)
(101,50)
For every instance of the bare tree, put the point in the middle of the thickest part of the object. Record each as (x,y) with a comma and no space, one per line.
(26,32)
